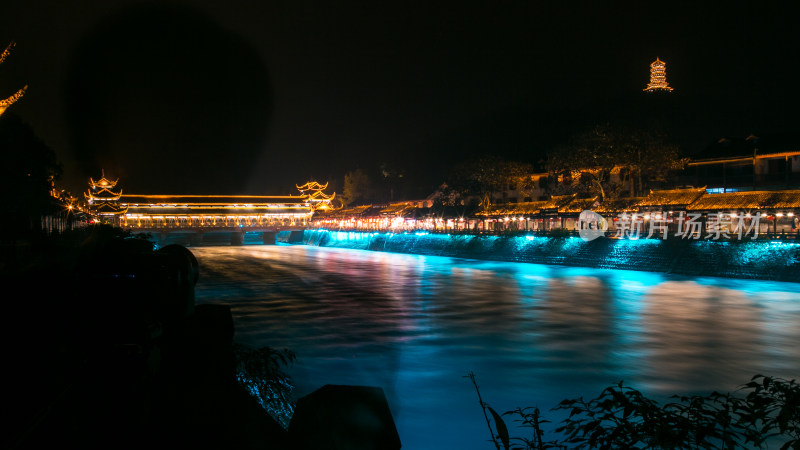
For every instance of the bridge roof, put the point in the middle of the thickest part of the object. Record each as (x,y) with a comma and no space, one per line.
(214,205)
(216,200)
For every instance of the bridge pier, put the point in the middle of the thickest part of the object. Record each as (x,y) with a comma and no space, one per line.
(268,237)
(237,238)
(161,239)
(295,237)
(195,238)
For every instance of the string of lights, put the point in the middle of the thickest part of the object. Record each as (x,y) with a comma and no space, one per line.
(5,103)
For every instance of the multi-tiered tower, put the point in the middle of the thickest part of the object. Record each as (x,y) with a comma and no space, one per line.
(102,200)
(658,77)
(317,199)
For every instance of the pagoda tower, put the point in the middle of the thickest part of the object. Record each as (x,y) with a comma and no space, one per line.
(658,77)
(318,200)
(102,200)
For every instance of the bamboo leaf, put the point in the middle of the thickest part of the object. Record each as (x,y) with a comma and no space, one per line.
(502,430)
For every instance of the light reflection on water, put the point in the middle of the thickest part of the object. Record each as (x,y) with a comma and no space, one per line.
(533,334)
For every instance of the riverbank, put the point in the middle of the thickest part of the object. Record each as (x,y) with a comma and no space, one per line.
(747,259)
(106,349)
(109,349)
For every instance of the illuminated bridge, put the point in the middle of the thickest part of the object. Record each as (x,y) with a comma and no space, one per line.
(195,216)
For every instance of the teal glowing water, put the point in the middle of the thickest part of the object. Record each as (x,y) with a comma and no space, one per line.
(533,334)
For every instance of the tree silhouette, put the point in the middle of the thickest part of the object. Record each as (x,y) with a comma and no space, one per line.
(485,176)
(357,188)
(26,175)
(587,162)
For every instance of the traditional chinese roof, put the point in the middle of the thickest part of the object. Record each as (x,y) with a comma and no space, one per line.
(784,199)
(102,200)
(312,190)
(559,202)
(618,205)
(103,182)
(747,200)
(509,209)
(672,197)
(319,196)
(312,186)
(554,204)
(214,204)
(6,102)
(398,209)
(212,199)
(346,212)
(579,205)
(102,195)
(109,209)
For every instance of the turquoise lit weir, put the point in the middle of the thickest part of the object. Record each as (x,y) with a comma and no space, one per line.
(749,259)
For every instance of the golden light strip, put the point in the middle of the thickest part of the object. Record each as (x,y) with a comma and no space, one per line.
(218,196)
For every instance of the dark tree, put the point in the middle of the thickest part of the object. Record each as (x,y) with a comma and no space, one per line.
(393,179)
(358,188)
(484,176)
(586,162)
(27,171)
(651,159)
(607,160)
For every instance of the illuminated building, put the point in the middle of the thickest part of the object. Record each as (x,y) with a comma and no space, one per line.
(658,77)
(746,164)
(102,200)
(241,212)
(318,199)
(5,103)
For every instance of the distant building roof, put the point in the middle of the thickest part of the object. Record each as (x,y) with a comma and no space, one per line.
(398,209)
(555,203)
(747,200)
(345,212)
(672,197)
(578,205)
(507,209)
(619,205)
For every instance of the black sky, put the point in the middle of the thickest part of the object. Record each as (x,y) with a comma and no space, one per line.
(252,97)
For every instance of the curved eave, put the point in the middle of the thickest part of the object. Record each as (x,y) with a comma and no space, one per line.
(103,182)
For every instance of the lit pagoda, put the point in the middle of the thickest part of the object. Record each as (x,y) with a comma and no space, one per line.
(6,102)
(658,77)
(102,200)
(314,195)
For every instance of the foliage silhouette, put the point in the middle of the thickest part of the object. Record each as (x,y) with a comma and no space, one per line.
(260,371)
(502,431)
(622,417)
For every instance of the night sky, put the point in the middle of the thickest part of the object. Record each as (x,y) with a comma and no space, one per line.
(230,97)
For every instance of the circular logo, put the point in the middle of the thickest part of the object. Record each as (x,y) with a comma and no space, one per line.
(591,225)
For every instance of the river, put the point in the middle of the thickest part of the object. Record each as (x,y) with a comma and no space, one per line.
(532,334)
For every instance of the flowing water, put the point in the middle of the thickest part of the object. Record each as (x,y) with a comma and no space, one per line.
(533,334)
